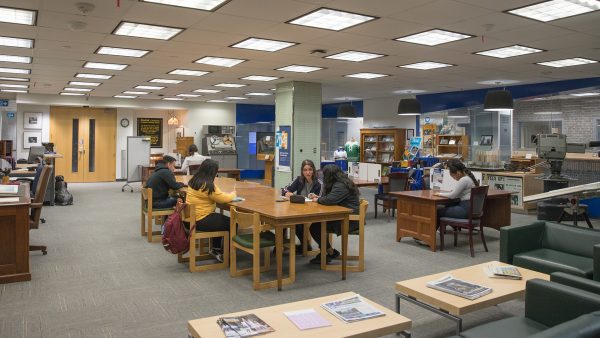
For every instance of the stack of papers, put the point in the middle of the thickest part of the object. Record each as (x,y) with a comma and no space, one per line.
(306,319)
(459,287)
(352,309)
(502,271)
(9,189)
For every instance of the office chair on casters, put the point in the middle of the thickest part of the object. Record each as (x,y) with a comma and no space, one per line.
(37,204)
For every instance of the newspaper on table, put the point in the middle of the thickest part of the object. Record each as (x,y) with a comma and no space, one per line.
(352,309)
(502,271)
(459,287)
(243,326)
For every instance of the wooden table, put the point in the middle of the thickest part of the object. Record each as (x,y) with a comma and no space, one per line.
(417,213)
(275,317)
(364,183)
(451,306)
(14,238)
(280,215)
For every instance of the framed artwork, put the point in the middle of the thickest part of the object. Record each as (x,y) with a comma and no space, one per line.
(410,133)
(32,121)
(32,138)
(180,132)
(486,140)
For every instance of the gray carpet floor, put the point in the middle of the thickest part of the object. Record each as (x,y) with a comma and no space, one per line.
(101,279)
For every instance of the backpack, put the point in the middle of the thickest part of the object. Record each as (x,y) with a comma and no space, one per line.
(175,239)
(61,195)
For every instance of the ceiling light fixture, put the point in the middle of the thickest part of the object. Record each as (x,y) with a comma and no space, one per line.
(235,98)
(584,94)
(19,79)
(556,9)
(130,92)
(205,5)
(8,41)
(93,76)
(346,111)
(125,96)
(134,53)
(260,78)
(258,94)
(230,85)
(13,91)
(210,91)
(331,19)
(90,84)
(101,65)
(187,72)
(427,65)
(299,69)
(510,51)
(188,95)
(219,61)
(367,76)
(149,87)
(71,89)
(217,101)
(548,113)
(166,81)
(9,85)
(409,106)
(72,94)
(498,100)
(354,56)
(18,16)
(434,37)
(172,99)
(263,44)
(15,70)
(567,62)
(15,58)
(140,30)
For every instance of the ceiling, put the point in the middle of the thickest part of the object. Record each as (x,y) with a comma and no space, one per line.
(60,52)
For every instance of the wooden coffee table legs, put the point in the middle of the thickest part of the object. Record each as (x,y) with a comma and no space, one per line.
(440,312)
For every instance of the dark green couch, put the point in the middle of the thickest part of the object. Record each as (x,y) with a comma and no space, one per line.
(552,310)
(549,247)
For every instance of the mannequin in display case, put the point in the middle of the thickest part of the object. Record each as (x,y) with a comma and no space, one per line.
(340,157)
(352,150)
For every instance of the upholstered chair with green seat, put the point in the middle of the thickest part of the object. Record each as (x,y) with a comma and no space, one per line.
(549,247)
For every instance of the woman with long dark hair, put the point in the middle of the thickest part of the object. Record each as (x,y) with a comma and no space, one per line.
(337,189)
(462,190)
(204,194)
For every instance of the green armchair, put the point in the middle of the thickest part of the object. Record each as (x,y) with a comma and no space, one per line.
(549,247)
(552,310)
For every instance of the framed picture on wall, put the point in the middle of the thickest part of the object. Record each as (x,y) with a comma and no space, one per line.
(32,138)
(410,133)
(486,140)
(32,121)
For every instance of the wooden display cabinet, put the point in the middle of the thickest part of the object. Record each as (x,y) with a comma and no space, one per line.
(450,145)
(382,146)
(6,147)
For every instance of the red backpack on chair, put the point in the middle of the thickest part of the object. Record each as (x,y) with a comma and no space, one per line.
(175,239)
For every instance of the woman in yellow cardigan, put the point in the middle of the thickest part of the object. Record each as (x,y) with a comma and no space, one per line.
(204,194)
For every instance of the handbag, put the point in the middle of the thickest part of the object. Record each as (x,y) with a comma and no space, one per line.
(297,199)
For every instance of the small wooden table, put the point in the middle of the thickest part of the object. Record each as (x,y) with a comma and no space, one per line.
(14,237)
(451,306)
(275,317)
(417,213)
(364,183)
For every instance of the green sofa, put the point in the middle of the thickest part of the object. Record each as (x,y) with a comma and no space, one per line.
(549,247)
(552,310)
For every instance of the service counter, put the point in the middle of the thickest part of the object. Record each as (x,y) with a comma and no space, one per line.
(524,184)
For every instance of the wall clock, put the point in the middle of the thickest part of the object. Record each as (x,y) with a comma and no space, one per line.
(124,122)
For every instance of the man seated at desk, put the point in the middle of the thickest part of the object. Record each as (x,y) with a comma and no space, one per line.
(161,180)
(193,158)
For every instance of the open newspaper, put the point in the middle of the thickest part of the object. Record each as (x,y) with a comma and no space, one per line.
(352,309)
(502,271)
(459,287)
(243,326)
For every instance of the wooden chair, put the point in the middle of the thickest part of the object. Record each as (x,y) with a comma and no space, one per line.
(397,182)
(193,169)
(200,245)
(360,267)
(37,204)
(478,195)
(251,236)
(150,213)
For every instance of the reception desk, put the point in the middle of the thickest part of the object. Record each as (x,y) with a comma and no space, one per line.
(14,237)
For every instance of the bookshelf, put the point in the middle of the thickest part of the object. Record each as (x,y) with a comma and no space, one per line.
(382,146)
(450,145)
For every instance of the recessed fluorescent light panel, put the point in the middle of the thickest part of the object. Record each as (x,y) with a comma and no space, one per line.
(188,95)
(217,101)
(71,89)
(210,91)
(8,41)
(230,85)
(258,94)
(187,72)
(510,51)
(259,78)
(584,94)
(347,98)
(93,76)
(235,98)
(366,75)
(15,58)
(20,79)
(498,82)
(16,15)
(166,81)
(149,87)
(548,113)
(427,65)
(263,44)
(556,9)
(90,84)
(13,91)
(8,85)
(434,37)
(218,61)
(331,19)
(140,30)
(72,94)
(129,92)
(15,70)
(409,91)
(354,56)
(125,96)
(299,69)
(173,99)
(134,53)
(567,62)
(100,65)
(205,5)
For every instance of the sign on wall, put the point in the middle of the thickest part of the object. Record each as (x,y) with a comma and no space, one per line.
(3,103)
(151,127)
(283,143)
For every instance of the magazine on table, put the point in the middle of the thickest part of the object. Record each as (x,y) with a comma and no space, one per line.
(502,271)
(243,326)
(306,319)
(459,287)
(352,309)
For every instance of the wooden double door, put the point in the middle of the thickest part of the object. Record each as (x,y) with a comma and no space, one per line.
(86,137)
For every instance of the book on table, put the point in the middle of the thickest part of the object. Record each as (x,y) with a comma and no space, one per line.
(502,271)
(243,326)
(9,189)
(352,309)
(459,287)
(306,319)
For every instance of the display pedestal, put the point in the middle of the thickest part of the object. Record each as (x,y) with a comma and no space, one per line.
(268,180)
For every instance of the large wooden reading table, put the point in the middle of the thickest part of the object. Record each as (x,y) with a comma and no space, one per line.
(14,237)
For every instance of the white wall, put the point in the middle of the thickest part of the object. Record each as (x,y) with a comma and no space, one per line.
(383,112)
(31,108)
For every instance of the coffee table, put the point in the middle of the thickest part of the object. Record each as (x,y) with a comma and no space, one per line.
(451,306)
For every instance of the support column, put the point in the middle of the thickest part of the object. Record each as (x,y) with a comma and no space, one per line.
(298,104)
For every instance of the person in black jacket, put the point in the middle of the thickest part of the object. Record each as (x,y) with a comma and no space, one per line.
(307,185)
(338,189)
(161,180)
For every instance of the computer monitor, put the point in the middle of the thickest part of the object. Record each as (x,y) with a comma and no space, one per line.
(35,152)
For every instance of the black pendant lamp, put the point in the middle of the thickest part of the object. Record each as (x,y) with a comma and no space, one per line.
(410,106)
(346,111)
(496,100)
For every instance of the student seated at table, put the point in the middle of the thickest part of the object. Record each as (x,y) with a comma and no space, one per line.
(193,158)
(337,189)
(305,185)
(462,191)
(161,180)
(204,194)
